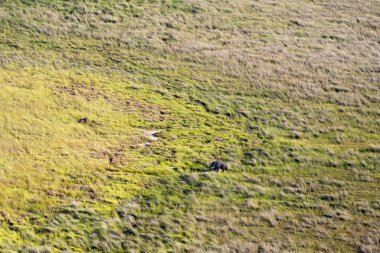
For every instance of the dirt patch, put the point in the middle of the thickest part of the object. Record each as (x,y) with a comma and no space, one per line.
(114,156)
(91,92)
(151,113)
(88,92)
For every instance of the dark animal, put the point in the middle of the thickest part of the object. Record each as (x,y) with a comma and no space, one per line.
(83,120)
(217,165)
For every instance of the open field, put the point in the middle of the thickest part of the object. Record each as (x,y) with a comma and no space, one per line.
(111,111)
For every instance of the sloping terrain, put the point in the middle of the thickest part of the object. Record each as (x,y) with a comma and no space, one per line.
(111,111)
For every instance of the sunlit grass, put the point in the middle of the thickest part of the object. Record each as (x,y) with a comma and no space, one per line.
(285,92)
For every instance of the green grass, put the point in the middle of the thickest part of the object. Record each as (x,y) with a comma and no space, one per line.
(286,92)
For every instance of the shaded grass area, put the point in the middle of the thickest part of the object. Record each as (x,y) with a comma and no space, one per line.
(280,99)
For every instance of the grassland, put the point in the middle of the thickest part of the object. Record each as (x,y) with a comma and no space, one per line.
(287,92)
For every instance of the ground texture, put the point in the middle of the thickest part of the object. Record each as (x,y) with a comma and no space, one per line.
(111,111)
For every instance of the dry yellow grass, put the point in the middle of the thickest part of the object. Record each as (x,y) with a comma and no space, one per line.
(287,92)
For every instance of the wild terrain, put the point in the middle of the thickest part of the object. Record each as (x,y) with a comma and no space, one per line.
(111,112)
